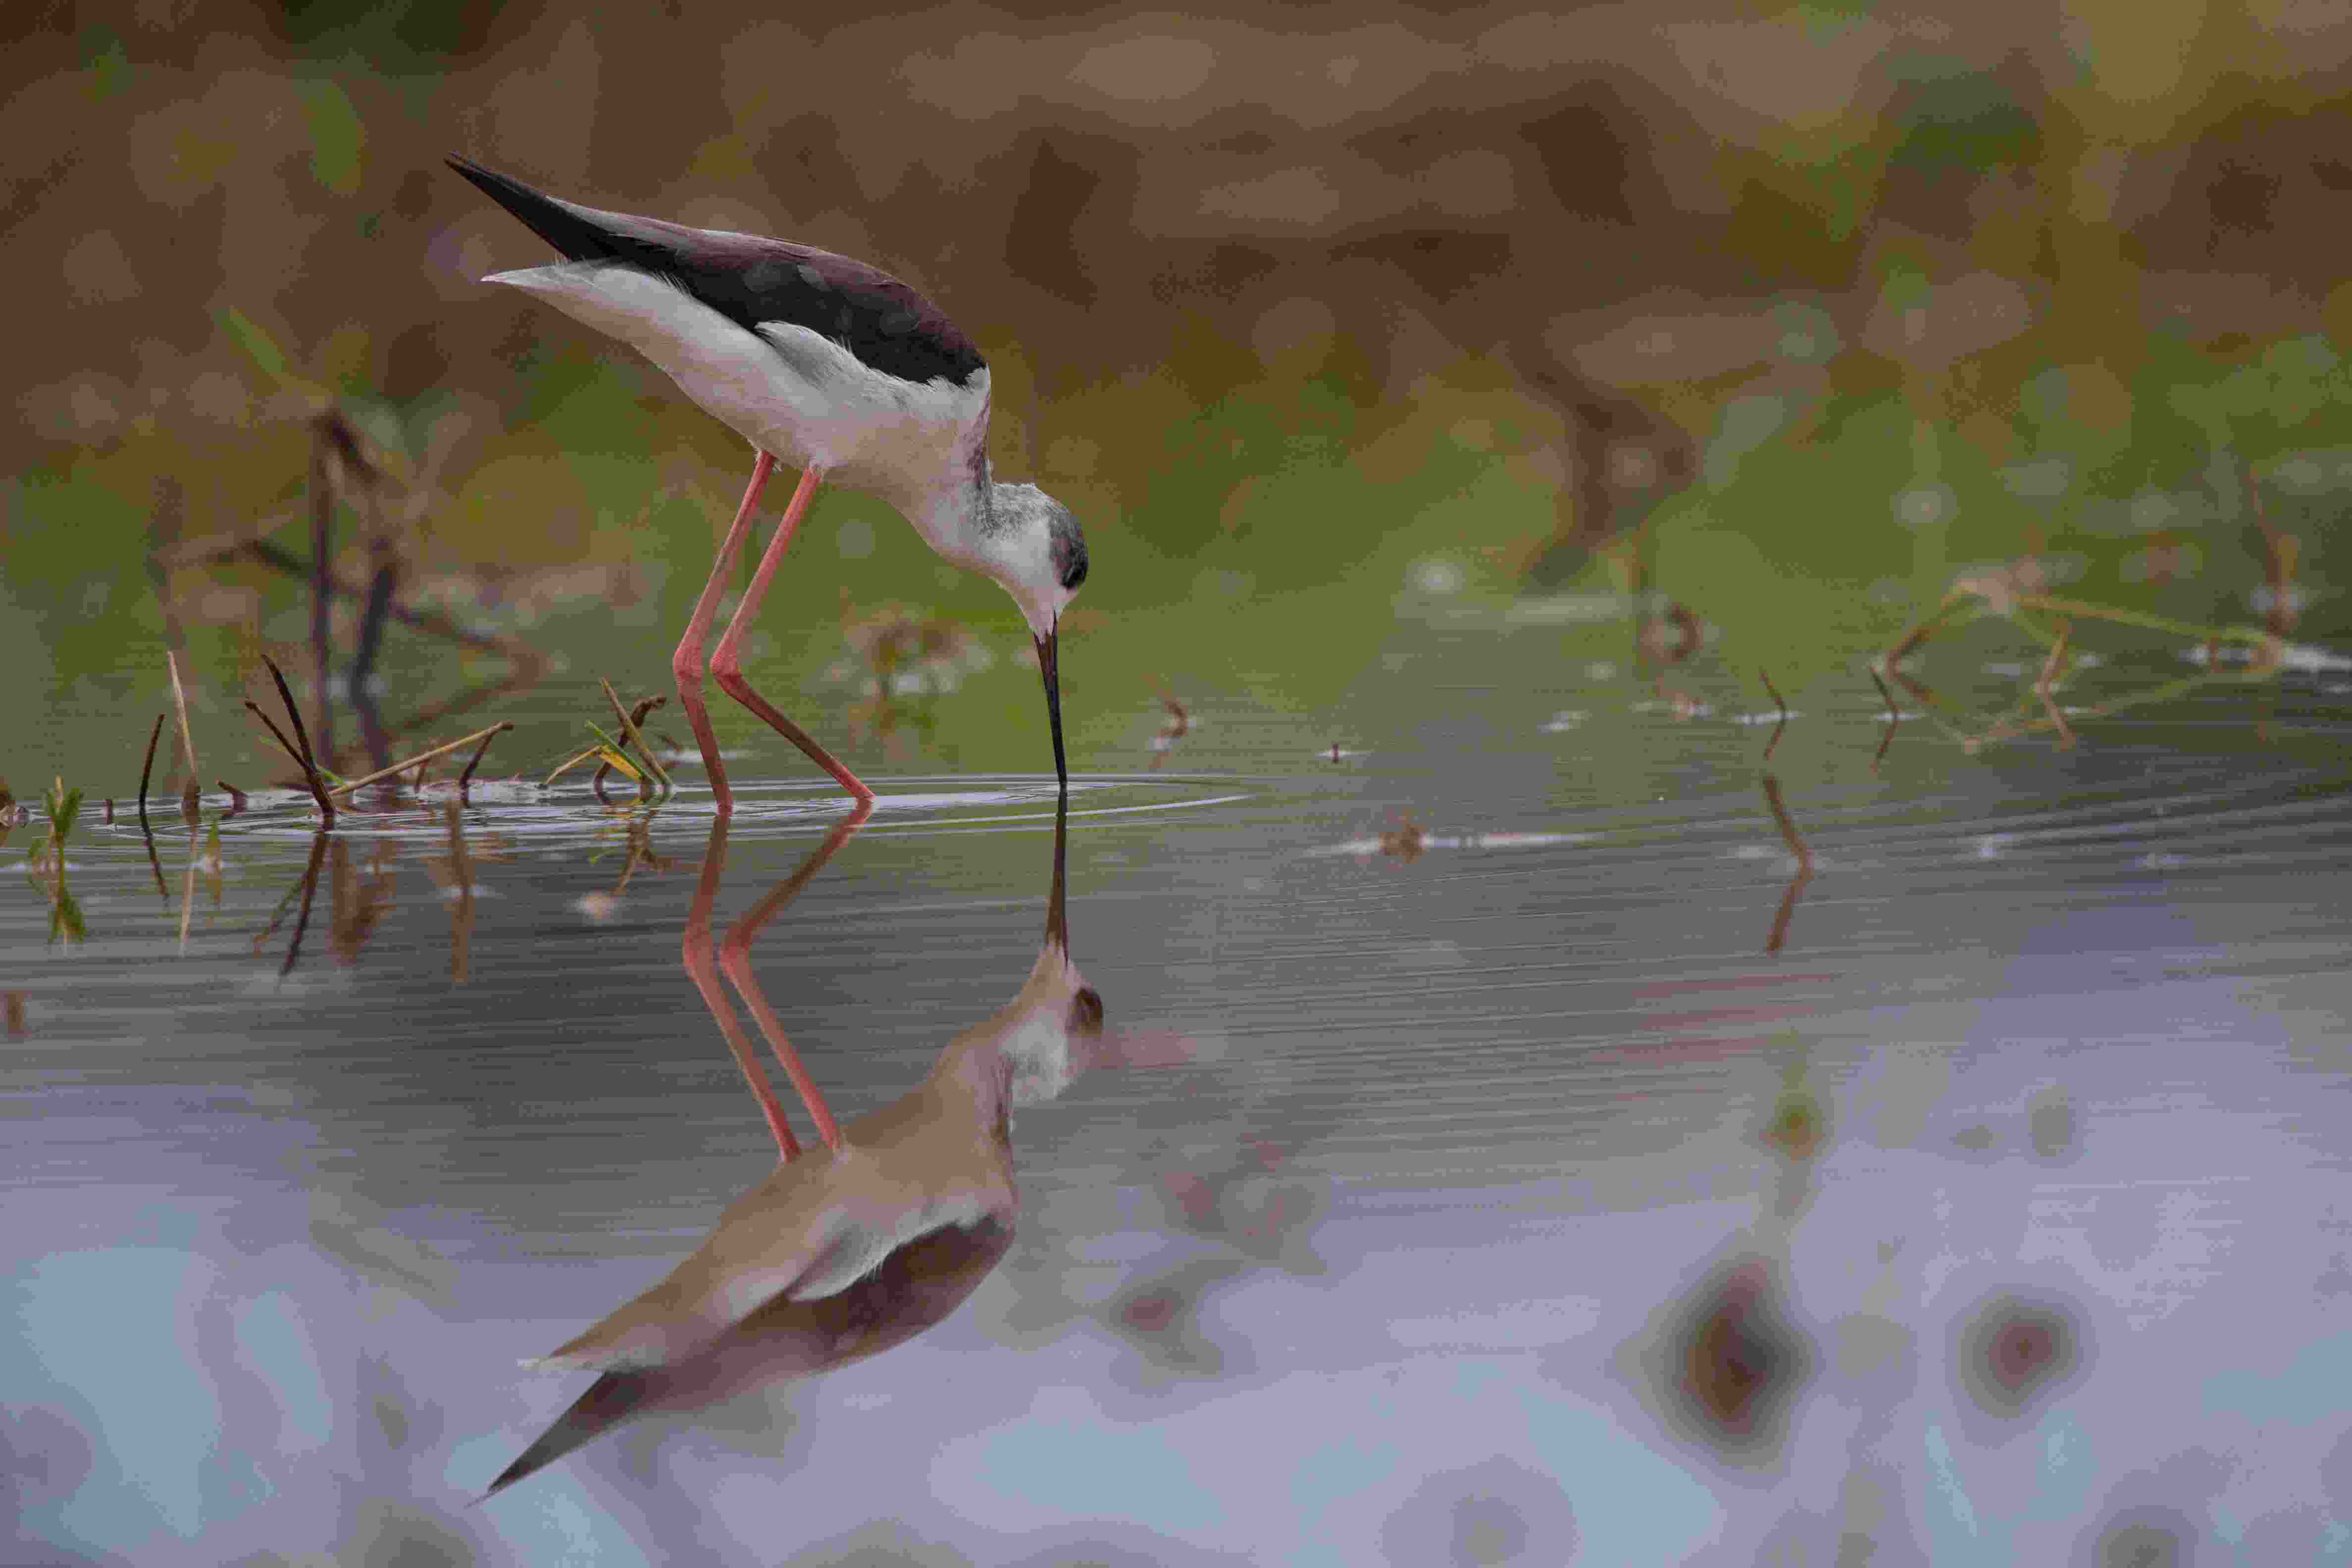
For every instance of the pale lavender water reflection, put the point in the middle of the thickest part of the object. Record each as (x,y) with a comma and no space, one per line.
(1498,1202)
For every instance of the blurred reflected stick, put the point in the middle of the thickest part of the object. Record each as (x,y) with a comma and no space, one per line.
(310,890)
(1891,662)
(1779,702)
(461,913)
(188,890)
(228,547)
(146,769)
(402,767)
(641,849)
(2051,668)
(2279,614)
(189,794)
(1894,719)
(236,799)
(2279,551)
(156,865)
(630,736)
(1804,873)
(1179,725)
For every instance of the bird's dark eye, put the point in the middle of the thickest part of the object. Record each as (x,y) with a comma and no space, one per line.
(1073,555)
(1086,1007)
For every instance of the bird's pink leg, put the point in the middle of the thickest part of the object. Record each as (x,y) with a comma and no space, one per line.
(700,969)
(685,664)
(726,665)
(735,959)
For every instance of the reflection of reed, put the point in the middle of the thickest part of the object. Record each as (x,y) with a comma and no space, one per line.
(2020,593)
(305,889)
(1799,879)
(1780,703)
(1179,725)
(461,909)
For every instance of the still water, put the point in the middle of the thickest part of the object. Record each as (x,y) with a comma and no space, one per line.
(1484,1163)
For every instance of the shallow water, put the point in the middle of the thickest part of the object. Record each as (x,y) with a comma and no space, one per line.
(1464,1176)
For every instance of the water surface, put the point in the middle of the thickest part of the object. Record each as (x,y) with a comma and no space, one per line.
(1466,1178)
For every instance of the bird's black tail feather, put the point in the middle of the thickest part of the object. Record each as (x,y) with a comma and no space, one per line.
(612,1399)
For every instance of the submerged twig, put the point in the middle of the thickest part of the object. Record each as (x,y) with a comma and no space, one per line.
(632,735)
(1779,702)
(402,767)
(189,792)
(1797,847)
(474,761)
(1894,720)
(461,915)
(2041,686)
(309,891)
(1179,725)
(156,865)
(303,756)
(147,768)
(236,797)
(603,748)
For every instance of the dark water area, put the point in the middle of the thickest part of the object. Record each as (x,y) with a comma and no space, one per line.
(1461,1178)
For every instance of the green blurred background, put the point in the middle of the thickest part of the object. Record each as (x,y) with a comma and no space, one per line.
(1792,317)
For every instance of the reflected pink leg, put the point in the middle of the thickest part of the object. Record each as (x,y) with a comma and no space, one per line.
(699,966)
(685,664)
(726,665)
(735,959)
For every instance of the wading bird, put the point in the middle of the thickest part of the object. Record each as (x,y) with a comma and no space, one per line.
(848,1249)
(825,363)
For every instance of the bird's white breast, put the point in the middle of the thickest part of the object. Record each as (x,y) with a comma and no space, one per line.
(785,388)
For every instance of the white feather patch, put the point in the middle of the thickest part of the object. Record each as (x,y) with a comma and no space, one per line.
(858,1252)
(785,388)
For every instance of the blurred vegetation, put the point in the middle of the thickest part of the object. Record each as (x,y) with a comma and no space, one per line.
(1286,317)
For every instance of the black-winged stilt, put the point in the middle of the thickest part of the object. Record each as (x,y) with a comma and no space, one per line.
(844,1252)
(820,362)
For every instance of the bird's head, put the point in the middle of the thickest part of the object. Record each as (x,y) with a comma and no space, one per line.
(1049,1032)
(1037,549)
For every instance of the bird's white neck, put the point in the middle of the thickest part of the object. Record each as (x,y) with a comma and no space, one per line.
(954,515)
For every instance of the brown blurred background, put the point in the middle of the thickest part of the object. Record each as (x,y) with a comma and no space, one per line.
(1206,254)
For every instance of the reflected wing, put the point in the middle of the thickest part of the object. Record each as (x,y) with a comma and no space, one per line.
(701,1299)
(917,1286)
(813,1228)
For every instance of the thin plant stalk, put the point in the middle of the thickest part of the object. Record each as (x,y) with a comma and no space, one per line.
(398,768)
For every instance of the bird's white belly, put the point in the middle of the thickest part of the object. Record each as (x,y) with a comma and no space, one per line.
(787,389)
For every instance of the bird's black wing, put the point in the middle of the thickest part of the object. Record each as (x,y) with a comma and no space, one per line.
(753,280)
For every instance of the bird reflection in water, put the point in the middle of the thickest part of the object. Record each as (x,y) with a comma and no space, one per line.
(847,1250)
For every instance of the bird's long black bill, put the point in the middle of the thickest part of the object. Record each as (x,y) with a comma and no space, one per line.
(1057,923)
(1049,666)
